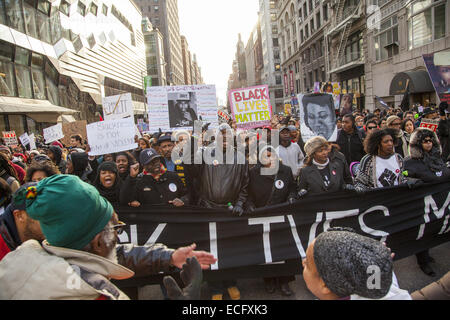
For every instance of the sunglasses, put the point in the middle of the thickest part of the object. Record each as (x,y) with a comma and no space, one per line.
(371,128)
(118,227)
(427,141)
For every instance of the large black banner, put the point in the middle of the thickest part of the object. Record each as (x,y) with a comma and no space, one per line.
(256,245)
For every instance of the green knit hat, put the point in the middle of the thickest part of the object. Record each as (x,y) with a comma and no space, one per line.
(71,212)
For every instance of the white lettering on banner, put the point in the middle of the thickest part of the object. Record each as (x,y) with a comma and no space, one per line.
(371,231)
(155,235)
(374,280)
(133,231)
(431,204)
(331,215)
(123,237)
(312,231)
(266,230)
(213,244)
(298,242)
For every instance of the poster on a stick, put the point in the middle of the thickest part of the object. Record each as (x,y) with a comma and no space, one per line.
(24,139)
(317,116)
(111,136)
(429,124)
(10,138)
(250,107)
(53,133)
(73,128)
(177,107)
(118,107)
(32,142)
(438,66)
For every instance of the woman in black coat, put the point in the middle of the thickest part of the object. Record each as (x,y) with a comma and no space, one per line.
(270,188)
(108,182)
(322,173)
(425,164)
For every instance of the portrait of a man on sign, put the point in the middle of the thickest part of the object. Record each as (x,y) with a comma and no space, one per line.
(438,66)
(182,109)
(317,116)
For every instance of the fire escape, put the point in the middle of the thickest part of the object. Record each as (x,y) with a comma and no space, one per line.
(340,26)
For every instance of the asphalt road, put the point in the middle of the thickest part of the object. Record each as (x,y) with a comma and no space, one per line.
(409,276)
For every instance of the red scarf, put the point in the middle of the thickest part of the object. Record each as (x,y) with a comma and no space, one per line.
(156,176)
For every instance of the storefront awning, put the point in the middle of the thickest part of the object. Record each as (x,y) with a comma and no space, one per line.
(418,81)
(14,105)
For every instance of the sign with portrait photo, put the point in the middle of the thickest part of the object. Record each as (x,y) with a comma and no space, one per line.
(317,116)
(177,107)
(346,104)
(438,66)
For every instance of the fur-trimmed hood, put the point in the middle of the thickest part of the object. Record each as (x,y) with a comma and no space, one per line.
(415,143)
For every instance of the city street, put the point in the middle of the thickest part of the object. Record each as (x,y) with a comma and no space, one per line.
(409,276)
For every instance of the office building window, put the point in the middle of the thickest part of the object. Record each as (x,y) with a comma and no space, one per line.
(37,75)
(156,8)
(93,9)
(64,7)
(104,9)
(426,22)
(7,83)
(30,20)
(386,41)
(81,9)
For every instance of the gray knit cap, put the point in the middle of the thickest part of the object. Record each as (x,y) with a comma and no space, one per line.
(345,260)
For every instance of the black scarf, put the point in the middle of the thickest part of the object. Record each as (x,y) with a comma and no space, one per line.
(111,194)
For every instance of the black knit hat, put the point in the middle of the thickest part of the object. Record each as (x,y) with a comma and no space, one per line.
(346,260)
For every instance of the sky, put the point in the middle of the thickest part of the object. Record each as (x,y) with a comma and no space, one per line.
(211,28)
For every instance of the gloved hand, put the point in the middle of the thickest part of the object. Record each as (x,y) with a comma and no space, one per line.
(192,277)
(349,187)
(302,193)
(238,210)
(414,183)
(442,107)
(251,207)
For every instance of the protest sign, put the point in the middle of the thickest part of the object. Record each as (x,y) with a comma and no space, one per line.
(317,116)
(408,222)
(53,133)
(177,107)
(429,124)
(333,88)
(32,142)
(111,136)
(438,64)
(10,138)
(118,107)
(250,107)
(24,139)
(73,128)
(346,104)
(223,115)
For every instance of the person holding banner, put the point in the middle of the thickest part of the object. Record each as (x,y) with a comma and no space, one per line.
(381,167)
(425,164)
(265,190)
(321,173)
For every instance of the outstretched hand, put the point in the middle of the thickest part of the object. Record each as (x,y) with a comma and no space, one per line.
(180,256)
(192,277)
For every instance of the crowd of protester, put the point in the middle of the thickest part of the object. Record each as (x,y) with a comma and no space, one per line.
(373,150)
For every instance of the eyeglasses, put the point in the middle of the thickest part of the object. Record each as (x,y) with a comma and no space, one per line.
(427,141)
(118,227)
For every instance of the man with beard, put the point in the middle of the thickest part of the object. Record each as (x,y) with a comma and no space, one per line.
(155,185)
(80,254)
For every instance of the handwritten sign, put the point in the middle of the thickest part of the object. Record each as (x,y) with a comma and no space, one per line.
(24,139)
(111,136)
(251,107)
(118,107)
(32,142)
(429,124)
(10,138)
(53,133)
(73,128)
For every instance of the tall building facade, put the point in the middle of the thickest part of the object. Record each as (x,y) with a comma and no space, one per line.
(187,61)
(271,75)
(163,15)
(59,58)
(154,53)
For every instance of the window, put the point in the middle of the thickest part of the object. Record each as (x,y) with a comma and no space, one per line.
(325,13)
(275,42)
(93,9)
(52,81)
(64,7)
(30,20)
(37,74)
(279,81)
(81,9)
(279,92)
(386,41)
(104,10)
(7,84)
(14,15)
(2,13)
(426,22)
(156,8)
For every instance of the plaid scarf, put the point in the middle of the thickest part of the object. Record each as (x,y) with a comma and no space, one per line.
(156,176)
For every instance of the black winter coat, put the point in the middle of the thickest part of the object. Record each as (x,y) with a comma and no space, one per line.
(417,169)
(311,180)
(269,190)
(146,190)
(351,145)
(443,132)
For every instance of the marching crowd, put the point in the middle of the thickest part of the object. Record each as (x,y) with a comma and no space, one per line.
(57,202)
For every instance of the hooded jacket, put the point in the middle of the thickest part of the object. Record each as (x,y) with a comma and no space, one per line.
(81,167)
(428,167)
